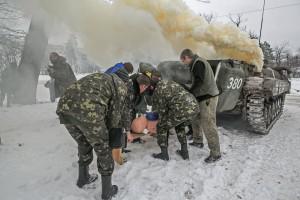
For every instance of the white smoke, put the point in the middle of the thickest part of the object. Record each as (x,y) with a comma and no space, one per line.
(112,32)
(150,31)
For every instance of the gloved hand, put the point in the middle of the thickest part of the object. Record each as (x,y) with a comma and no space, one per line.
(152,116)
(130,137)
(115,138)
(118,156)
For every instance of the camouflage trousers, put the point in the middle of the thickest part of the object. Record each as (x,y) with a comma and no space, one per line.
(168,122)
(89,137)
(205,123)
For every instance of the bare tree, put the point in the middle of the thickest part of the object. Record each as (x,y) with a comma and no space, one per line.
(238,21)
(36,42)
(28,48)
(252,35)
(280,53)
(11,39)
(209,17)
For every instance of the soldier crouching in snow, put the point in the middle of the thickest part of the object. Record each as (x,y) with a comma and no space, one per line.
(176,108)
(90,109)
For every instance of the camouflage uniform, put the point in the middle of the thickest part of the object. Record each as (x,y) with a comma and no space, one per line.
(128,104)
(89,109)
(176,108)
(140,101)
(62,74)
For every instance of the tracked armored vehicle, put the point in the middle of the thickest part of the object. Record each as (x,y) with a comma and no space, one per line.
(258,96)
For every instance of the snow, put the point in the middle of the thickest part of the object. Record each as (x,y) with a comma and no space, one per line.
(295,87)
(43,94)
(38,160)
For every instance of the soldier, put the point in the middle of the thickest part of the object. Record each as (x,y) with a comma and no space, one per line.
(91,111)
(126,67)
(122,70)
(61,72)
(204,88)
(176,107)
(144,99)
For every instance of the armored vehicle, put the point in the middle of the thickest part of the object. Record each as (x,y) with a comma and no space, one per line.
(258,96)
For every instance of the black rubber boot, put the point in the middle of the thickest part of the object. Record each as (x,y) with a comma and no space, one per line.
(108,190)
(212,159)
(163,155)
(84,177)
(198,145)
(184,153)
(190,132)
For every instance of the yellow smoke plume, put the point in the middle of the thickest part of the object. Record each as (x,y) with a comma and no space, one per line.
(150,31)
(185,29)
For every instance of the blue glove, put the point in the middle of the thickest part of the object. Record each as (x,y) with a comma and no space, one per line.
(152,116)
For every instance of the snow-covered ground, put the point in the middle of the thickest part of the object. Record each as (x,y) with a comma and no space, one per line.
(295,87)
(43,94)
(38,161)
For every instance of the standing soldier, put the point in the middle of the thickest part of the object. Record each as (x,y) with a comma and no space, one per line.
(61,72)
(91,111)
(205,89)
(175,107)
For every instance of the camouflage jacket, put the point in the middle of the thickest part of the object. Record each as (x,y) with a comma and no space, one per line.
(94,98)
(128,106)
(140,101)
(172,100)
(128,103)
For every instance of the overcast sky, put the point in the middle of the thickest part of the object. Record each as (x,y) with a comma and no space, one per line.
(280,25)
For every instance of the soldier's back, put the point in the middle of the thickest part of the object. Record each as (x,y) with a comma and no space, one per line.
(178,99)
(86,98)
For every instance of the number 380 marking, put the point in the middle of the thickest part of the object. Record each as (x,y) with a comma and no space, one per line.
(235,83)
